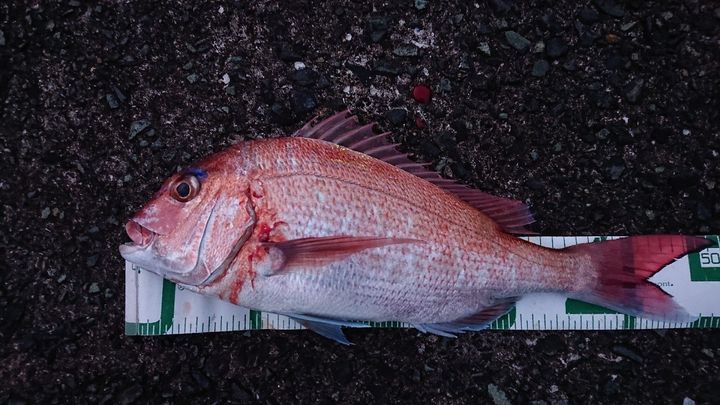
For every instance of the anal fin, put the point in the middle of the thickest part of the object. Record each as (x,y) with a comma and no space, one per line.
(475,322)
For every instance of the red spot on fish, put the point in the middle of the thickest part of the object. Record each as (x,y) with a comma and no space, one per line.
(263,234)
(243,274)
(235,288)
(422,94)
(420,123)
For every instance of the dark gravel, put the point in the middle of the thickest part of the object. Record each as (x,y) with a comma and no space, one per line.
(102,100)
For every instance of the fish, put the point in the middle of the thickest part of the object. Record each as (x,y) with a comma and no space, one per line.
(334,227)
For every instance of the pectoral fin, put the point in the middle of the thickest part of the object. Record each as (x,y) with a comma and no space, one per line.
(283,256)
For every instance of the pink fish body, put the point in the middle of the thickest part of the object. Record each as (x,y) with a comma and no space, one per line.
(334,224)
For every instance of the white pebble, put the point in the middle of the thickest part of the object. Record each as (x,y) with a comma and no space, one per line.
(226,78)
(299,65)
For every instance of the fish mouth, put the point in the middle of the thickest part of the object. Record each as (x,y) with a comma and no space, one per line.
(141,237)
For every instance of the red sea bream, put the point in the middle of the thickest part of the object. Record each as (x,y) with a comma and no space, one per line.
(333,225)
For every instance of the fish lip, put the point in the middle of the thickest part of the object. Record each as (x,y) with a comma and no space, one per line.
(127,249)
(141,239)
(140,235)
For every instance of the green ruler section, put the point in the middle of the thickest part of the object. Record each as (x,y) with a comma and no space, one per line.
(575,307)
(255,319)
(167,310)
(506,321)
(707,322)
(705,265)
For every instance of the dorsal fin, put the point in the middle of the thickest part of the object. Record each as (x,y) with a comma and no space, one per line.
(345,130)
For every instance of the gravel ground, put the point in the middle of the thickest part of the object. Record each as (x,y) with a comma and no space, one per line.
(602,115)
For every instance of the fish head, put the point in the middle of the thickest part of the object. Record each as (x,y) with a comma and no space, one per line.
(193,227)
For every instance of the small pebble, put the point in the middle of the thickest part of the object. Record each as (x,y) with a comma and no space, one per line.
(555,47)
(539,47)
(303,102)
(628,26)
(121,97)
(378,26)
(94,288)
(627,353)
(138,127)
(517,41)
(634,92)
(610,7)
(616,169)
(92,261)
(422,94)
(406,50)
(484,47)
(540,68)
(112,101)
(612,38)
(498,396)
(445,85)
(588,16)
(396,116)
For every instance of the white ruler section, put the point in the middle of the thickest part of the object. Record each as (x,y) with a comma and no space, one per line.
(154,306)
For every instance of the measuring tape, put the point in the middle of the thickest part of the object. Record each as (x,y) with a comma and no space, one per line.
(154,306)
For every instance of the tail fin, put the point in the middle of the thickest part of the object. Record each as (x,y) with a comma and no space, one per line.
(624,266)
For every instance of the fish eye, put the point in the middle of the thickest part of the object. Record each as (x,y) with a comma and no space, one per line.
(185,188)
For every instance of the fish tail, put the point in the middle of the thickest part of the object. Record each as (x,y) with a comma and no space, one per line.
(623,267)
